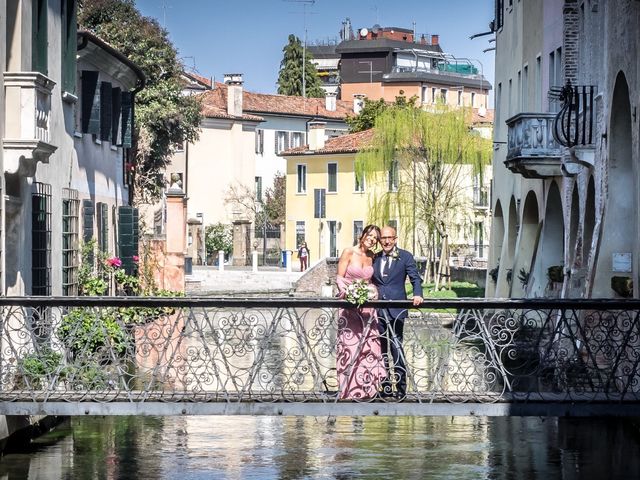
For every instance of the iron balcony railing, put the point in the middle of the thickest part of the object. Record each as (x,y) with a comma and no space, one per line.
(238,355)
(574,123)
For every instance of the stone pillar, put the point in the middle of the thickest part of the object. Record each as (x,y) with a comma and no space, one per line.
(172,275)
(241,242)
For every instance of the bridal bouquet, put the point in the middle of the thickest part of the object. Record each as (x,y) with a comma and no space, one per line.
(358,292)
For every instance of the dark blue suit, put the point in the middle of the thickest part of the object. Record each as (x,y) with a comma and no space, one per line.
(391,320)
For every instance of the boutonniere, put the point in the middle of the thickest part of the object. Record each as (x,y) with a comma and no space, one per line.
(395,254)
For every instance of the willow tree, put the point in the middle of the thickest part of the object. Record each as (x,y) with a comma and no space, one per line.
(418,166)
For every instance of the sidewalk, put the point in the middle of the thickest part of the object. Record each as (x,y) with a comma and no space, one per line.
(235,281)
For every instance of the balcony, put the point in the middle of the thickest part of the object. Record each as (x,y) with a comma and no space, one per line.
(27,111)
(533,151)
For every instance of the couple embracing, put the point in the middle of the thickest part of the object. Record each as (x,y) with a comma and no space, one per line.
(370,359)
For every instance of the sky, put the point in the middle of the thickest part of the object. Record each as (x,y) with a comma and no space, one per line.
(214,37)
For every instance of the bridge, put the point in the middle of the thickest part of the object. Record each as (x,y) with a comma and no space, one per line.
(204,356)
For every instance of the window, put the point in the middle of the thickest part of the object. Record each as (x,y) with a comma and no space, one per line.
(128,237)
(393,176)
(116,114)
(319,202)
(473,99)
(498,105)
(41,239)
(70,241)
(424,95)
(103,226)
(87,220)
(478,239)
(510,98)
(259,141)
(519,92)
(69,44)
(555,75)
(525,88)
(443,95)
(499,20)
(106,113)
(358,228)
(333,238)
(460,98)
(39,57)
(300,234)
(282,141)
(258,186)
(538,80)
(358,181)
(296,139)
(433,95)
(332,180)
(302,179)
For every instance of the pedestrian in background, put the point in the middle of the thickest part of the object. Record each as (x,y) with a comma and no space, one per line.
(303,255)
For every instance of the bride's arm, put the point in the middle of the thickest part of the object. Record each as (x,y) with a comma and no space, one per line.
(343,263)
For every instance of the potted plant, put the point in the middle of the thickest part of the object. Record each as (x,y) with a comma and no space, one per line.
(556,273)
(623,286)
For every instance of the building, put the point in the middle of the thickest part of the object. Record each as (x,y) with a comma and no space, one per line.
(328,204)
(66,102)
(387,62)
(565,221)
(241,136)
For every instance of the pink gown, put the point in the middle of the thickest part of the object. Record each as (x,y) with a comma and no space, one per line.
(359,362)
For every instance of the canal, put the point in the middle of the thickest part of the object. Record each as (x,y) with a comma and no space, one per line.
(323,448)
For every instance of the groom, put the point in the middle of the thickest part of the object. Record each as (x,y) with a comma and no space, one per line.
(391,268)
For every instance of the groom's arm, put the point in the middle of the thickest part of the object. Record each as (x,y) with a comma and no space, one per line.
(415,279)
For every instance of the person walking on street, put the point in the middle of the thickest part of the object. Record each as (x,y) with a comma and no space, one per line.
(303,255)
(391,268)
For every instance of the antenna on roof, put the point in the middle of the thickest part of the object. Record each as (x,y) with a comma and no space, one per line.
(304,45)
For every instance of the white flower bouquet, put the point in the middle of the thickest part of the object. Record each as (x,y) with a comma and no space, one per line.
(359,291)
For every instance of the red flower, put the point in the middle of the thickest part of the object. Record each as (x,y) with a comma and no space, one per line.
(135,259)
(114,262)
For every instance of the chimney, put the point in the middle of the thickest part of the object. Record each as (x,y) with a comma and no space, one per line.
(423,40)
(435,39)
(316,135)
(358,102)
(233,81)
(330,101)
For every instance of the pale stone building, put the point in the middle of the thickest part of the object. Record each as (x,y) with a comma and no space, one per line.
(565,197)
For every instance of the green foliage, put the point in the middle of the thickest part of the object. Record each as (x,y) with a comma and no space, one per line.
(291,68)
(37,366)
(164,117)
(366,119)
(457,290)
(275,200)
(218,237)
(85,331)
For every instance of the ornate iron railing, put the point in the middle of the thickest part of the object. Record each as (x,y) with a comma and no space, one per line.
(574,123)
(115,351)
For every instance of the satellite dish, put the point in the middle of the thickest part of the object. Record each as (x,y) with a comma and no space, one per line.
(364,32)
(482,112)
(376,28)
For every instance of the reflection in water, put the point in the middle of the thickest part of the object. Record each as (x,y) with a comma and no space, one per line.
(343,447)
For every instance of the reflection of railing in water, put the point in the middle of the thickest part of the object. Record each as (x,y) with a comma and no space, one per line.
(242,351)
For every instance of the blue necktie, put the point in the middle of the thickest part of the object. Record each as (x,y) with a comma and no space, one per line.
(387,265)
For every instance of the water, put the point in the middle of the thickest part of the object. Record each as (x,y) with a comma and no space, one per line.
(321,448)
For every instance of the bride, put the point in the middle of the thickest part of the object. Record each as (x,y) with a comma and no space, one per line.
(359,362)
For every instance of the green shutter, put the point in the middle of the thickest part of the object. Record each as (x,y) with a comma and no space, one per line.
(90,122)
(103,227)
(69,44)
(128,237)
(116,110)
(127,118)
(105,111)
(87,220)
(40,43)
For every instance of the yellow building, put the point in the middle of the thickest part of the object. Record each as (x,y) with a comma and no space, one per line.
(327,206)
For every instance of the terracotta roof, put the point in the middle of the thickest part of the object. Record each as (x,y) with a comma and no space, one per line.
(261,103)
(487,118)
(198,78)
(350,143)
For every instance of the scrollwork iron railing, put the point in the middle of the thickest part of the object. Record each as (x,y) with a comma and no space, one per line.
(574,123)
(285,350)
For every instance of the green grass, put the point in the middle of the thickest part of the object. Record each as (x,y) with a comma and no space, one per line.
(458,290)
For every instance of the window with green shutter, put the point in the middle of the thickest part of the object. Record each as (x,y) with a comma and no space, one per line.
(102,211)
(116,111)
(105,111)
(87,220)
(70,242)
(41,239)
(69,43)
(39,57)
(90,121)
(128,237)
(127,118)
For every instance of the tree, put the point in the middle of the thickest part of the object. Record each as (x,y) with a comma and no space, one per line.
(275,200)
(423,156)
(218,237)
(291,71)
(372,109)
(164,118)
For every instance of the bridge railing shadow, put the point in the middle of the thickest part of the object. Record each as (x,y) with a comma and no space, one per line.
(293,350)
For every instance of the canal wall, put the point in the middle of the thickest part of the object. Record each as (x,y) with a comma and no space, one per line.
(20,429)
(235,281)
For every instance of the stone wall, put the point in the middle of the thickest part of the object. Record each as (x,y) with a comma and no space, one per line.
(318,279)
(470,274)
